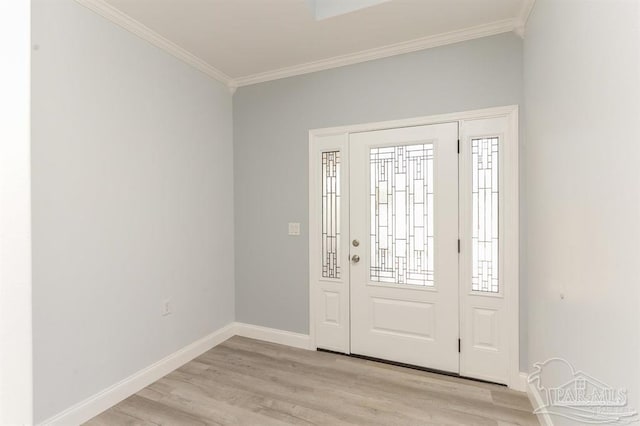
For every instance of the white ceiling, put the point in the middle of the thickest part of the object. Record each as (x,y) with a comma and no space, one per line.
(246,41)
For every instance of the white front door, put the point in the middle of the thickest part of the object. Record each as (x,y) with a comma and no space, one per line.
(414,242)
(404,245)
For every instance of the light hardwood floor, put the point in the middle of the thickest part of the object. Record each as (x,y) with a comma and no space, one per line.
(249,382)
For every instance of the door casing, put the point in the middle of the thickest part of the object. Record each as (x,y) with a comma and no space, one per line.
(339,137)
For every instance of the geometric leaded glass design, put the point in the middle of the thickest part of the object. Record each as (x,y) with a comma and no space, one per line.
(484,238)
(402,237)
(330,214)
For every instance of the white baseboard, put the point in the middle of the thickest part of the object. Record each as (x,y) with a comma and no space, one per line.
(296,340)
(107,398)
(521,382)
(536,401)
(96,404)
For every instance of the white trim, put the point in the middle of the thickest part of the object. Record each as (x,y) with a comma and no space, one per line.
(273,335)
(107,398)
(16,331)
(511,205)
(423,43)
(525,11)
(536,401)
(521,384)
(512,243)
(125,21)
(417,121)
(313,240)
(96,404)
(104,9)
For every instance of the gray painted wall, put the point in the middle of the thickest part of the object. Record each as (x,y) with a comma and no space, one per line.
(582,88)
(271,124)
(132,204)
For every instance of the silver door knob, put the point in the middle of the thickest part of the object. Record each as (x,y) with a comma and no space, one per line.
(355,258)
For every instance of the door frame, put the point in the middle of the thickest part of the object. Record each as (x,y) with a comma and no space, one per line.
(510,254)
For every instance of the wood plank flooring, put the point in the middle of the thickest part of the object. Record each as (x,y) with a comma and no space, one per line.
(249,382)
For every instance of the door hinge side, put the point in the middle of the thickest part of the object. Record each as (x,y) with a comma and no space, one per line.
(458,246)
(458,146)
(459,346)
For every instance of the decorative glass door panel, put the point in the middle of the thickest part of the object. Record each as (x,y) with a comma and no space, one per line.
(485,204)
(401,205)
(330,180)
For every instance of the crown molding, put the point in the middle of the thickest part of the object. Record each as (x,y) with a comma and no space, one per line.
(497,27)
(125,21)
(523,17)
(113,14)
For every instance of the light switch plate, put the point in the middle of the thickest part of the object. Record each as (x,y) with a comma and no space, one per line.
(294,228)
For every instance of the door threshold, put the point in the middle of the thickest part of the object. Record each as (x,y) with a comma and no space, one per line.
(412,367)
